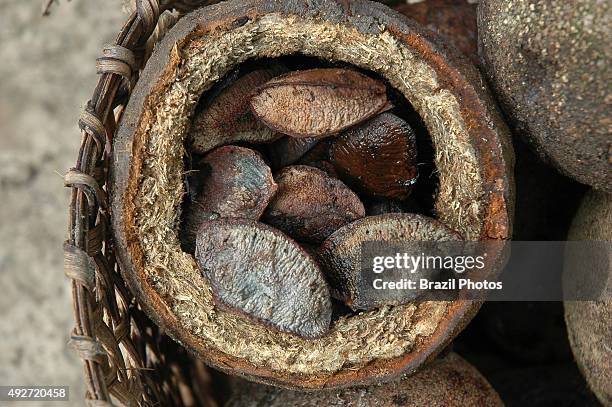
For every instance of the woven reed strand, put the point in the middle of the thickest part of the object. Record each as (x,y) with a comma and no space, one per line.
(127,360)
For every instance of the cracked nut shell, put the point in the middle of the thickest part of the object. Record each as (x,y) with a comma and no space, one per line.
(450,382)
(340,256)
(236,183)
(473,161)
(258,271)
(225,117)
(318,102)
(310,205)
(378,157)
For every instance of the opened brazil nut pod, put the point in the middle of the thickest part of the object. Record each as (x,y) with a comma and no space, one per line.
(472,157)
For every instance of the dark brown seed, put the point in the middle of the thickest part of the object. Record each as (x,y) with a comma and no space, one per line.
(381,206)
(256,270)
(340,257)
(238,183)
(455,20)
(225,116)
(318,102)
(193,218)
(318,157)
(288,150)
(449,381)
(378,157)
(310,205)
(235,183)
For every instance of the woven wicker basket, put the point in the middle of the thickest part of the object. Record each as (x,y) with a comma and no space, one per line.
(127,360)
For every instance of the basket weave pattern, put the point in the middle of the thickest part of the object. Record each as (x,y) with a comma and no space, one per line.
(127,360)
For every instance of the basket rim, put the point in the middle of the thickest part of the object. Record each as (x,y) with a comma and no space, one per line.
(110,332)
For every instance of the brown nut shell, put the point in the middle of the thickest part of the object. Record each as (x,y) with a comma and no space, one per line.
(446,382)
(318,157)
(256,270)
(236,183)
(318,102)
(378,157)
(473,160)
(549,64)
(454,20)
(340,256)
(310,205)
(225,117)
(588,322)
(288,150)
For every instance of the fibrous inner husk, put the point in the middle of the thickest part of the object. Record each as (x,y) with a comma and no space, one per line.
(194,67)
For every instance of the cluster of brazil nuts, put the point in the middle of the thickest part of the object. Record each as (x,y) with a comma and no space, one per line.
(289,172)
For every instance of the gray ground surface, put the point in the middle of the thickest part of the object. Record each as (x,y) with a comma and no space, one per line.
(47,72)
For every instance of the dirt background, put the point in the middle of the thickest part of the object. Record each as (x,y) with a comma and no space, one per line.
(47,73)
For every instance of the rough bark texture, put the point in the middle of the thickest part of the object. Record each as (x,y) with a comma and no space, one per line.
(258,271)
(310,205)
(223,116)
(447,382)
(340,256)
(378,157)
(549,64)
(318,102)
(236,183)
(588,322)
